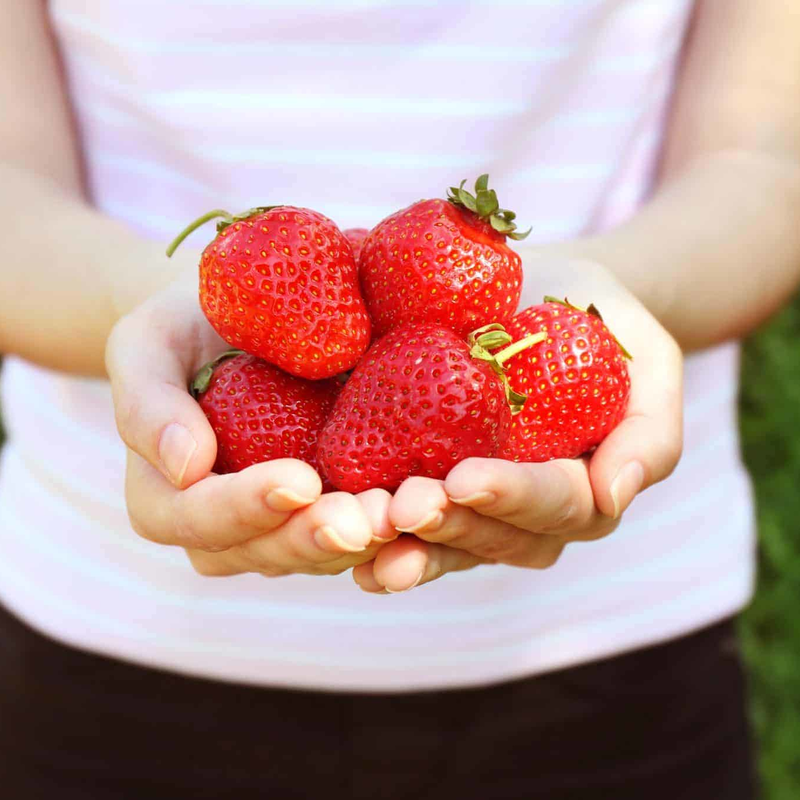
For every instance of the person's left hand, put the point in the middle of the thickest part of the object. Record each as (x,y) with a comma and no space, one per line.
(520,514)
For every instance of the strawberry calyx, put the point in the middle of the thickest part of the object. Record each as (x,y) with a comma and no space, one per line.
(595,312)
(226,219)
(203,377)
(490,337)
(484,204)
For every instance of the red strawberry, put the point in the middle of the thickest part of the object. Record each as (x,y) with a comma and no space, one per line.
(443,262)
(281,283)
(356,238)
(259,413)
(421,400)
(576,381)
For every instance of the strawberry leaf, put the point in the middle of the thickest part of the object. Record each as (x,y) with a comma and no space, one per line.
(486,202)
(518,236)
(467,200)
(500,225)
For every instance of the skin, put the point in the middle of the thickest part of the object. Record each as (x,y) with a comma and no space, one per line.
(679,275)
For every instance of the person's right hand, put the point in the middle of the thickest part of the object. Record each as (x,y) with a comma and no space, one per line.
(270,518)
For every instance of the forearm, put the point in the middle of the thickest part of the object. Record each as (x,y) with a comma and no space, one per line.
(715,252)
(717,249)
(69,273)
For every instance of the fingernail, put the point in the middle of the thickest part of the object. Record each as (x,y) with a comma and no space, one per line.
(429,522)
(390,536)
(626,486)
(175,450)
(286,500)
(400,591)
(476,499)
(328,538)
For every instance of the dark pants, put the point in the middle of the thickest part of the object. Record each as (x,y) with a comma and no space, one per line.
(664,722)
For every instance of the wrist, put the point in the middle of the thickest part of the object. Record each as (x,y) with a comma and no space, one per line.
(145,270)
(616,255)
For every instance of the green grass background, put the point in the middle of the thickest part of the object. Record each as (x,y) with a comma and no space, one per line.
(770,628)
(770,426)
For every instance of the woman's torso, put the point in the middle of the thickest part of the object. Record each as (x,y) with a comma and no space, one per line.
(357,109)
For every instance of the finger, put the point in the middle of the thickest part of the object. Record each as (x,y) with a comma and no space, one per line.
(551,497)
(421,506)
(336,525)
(375,503)
(214,565)
(150,362)
(408,562)
(646,446)
(418,504)
(233,562)
(459,527)
(221,510)
(364,576)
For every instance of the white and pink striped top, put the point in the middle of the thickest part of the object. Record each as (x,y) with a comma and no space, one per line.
(356,108)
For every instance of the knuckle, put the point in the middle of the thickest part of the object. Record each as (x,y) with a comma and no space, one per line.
(599,529)
(128,414)
(300,548)
(273,572)
(331,571)
(452,532)
(208,566)
(547,556)
(265,556)
(251,551)
(503,548)
(564,517)
(185,530)
(607,527)
(138,526)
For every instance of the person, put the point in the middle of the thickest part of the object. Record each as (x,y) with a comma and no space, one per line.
(655,149)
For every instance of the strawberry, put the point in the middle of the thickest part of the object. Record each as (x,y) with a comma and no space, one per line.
(444,262)
(421,400)
(259,413)
(356,238)
(281,283)
(576,380)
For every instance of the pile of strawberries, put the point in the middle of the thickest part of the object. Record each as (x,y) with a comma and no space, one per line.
(377,355)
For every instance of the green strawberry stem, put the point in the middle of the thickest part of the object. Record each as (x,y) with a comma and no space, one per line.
(518,347)
(189,229)
(203,377)
(227,219)
(595,312)
(484,204)
(492,336)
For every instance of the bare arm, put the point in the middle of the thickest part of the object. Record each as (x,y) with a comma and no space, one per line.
(68,272)
(717,249)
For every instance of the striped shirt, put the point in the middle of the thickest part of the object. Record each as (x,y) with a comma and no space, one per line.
(357,108)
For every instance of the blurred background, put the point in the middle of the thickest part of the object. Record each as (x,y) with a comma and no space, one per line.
(769,402)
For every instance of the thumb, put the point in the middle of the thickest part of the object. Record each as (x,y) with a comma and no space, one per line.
(155,414)
(646,446)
